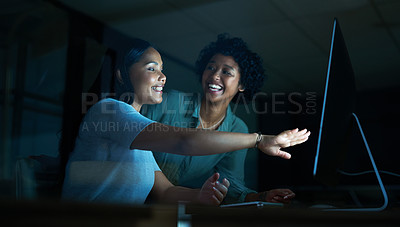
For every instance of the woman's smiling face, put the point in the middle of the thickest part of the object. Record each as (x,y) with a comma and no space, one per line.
(220,80)
(147,78)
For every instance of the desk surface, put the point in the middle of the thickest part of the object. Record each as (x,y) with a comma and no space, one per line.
(53,213)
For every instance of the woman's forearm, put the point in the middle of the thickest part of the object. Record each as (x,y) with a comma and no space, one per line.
(211,193)
(185,141)
(166,192)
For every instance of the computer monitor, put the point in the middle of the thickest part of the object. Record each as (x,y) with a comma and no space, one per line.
(336,118)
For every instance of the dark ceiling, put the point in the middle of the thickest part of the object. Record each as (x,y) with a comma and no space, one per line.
(292,36)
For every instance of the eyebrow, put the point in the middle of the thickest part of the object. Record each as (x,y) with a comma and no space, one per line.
(154,62)
(224,65)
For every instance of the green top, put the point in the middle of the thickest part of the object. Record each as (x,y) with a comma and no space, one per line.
(182,110)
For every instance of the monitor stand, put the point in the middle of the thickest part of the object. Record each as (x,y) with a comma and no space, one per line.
(382,187)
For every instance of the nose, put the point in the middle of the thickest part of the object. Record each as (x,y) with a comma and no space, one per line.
(162,77)
(215,75)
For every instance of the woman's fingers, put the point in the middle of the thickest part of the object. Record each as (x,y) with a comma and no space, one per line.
(218,194)
(226,183)
(299,137)
(213,178)
(280,195)
(215,200)
(220,189)
(283,154)
(289,196)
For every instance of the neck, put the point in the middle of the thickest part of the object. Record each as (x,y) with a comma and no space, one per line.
(212,113)
(136,106)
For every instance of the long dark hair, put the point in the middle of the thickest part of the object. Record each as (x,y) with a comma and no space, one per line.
(106,83)
(129,56)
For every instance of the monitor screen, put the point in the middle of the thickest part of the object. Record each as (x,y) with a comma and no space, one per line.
(336,118)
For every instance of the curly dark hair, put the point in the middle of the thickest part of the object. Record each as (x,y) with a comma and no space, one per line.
(250,63)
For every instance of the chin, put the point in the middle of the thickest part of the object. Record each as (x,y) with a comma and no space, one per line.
(219,100)
(158,101)
(213,97)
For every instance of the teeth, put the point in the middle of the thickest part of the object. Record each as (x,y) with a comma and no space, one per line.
(157,88)
(214,86)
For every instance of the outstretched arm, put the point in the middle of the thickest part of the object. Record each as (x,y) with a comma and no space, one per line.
(212,192)
(196,142)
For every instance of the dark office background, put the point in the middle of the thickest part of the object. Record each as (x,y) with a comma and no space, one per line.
(293,38)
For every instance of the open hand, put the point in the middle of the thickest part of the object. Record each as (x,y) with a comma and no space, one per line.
(213,191)
(271,145)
